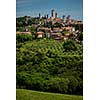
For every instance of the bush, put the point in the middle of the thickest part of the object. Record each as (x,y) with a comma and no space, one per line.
(72,86)
(59,85)
(70,45)
(23,37)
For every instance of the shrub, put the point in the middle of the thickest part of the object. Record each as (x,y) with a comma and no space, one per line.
(23,37)
(59,85)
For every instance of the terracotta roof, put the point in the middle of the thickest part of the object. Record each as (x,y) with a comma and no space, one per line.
(68,28)
(39,33)
(56,33)
(57,29)
(45,28)
(58,38)
(23,32)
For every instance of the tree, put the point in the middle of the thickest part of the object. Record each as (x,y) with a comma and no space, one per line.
(72,86)
(23,37)
(70,45)
(59,85)
(80,37)
(78,27)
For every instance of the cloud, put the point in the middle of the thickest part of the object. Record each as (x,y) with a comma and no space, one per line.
(23,1)
(29,1)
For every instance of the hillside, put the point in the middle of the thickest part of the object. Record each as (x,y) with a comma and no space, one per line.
(34,95)
(49,65)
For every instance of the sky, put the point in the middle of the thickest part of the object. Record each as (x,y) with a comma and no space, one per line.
(62,7)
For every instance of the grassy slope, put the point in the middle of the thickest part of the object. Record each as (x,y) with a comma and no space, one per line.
(22,94)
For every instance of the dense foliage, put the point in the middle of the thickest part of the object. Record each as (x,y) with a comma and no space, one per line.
(23,38)
(71,45)
(49,65)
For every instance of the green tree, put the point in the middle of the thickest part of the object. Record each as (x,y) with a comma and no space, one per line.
(70,45)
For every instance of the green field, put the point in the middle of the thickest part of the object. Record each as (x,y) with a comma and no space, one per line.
(22,94)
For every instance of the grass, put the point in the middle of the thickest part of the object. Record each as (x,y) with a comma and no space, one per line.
(22,94)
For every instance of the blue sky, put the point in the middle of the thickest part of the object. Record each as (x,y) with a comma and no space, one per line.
(62,7)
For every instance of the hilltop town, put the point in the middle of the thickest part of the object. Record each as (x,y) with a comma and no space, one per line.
(50,27)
